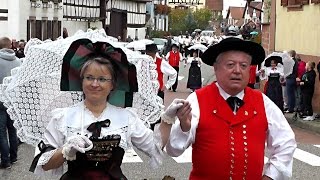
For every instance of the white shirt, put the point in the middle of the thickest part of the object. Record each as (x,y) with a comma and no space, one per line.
(280,137)
(269,70)
(75,120)
(169,71)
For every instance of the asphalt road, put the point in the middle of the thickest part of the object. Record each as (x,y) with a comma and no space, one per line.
(306,164)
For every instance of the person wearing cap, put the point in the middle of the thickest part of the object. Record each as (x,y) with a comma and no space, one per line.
(174,57)
(163,68)
(229,125)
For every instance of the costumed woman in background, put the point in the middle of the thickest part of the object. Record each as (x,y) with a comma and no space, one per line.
(194,77)
(92,135)
(273,73)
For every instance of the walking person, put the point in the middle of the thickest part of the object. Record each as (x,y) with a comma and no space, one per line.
(194,76)
(273,73)
(229,125)
(307,89)
(164,69)
(174,57)
(8,150)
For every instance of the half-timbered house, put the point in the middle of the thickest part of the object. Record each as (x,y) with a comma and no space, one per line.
(45,19)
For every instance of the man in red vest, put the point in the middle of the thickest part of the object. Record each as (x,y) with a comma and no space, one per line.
(174,57)
(230,125)
(163,68)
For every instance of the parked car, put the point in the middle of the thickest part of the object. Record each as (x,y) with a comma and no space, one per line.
(161,43)
(207,33)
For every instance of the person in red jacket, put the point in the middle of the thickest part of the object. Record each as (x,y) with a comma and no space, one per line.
(174,57)
(229,125)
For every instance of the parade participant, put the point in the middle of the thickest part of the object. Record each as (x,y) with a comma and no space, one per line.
(163,68)
(228,123)
(194,76)
(174,57)
(273,73)
(307,89)
(8,150)
(92,135)
(253,76)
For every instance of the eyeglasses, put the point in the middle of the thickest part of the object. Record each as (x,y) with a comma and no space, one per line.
(99,79)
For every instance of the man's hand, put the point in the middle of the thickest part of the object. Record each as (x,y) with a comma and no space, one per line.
(184,116)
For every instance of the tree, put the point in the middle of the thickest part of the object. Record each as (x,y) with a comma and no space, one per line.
(177,21)
(190,22)
(202,17)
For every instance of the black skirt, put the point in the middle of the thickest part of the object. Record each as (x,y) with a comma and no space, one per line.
(194,78)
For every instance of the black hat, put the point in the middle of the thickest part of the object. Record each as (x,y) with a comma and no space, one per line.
(174,45)
(267,62)
(152,48)
(255,50)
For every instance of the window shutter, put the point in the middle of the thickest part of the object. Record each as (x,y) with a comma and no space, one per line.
(284,2)
(293,2)
(315,1)
(303,2)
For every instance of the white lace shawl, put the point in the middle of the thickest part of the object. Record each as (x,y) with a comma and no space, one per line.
(33,90)
(67,122)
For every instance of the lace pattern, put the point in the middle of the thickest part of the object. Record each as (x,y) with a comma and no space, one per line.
(34,90)
(45,157)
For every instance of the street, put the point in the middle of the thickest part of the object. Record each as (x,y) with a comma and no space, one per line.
(306,158)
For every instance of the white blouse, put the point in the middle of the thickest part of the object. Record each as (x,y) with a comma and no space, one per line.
(269,70)
(75,120)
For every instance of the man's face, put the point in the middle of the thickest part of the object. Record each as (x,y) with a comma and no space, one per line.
(232,71)
(174,49)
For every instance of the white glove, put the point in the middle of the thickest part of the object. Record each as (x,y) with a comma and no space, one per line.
(169,115)
(75,144)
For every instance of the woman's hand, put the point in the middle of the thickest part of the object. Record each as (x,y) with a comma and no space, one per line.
(184,116)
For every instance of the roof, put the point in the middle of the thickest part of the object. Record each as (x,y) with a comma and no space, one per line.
(235,12)
(253,5)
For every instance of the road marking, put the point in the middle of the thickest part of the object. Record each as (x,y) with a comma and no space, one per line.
(131,156)
(185,157)
(306,157)
(180,78)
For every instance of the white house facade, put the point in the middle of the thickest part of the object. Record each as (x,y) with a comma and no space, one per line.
(45,19)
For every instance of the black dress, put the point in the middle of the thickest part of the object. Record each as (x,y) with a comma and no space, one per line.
(274,89)
(102,162)
(194,77)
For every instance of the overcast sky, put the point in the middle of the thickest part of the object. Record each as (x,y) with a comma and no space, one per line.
(237,3)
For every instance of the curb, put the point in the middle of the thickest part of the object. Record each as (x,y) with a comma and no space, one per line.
(313,126)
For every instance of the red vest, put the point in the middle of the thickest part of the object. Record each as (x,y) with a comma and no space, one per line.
(174,59)
(229,146)
(252,78)
(160,74)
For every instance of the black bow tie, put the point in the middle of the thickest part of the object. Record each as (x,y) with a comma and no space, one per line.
(235,103)
(95,128)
